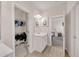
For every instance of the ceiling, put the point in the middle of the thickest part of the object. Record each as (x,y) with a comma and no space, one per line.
(45,5)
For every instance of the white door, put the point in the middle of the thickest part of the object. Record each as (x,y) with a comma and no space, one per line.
(77,32)
(72,31)
(74,42)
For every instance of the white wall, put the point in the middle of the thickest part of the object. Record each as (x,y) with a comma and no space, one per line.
(57,10)
(68,32)
(31,32)
(70,5)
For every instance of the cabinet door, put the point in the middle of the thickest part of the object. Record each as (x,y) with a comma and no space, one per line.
(37,43)
(44,42)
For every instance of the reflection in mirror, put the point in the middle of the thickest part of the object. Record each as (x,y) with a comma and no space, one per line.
(40,20)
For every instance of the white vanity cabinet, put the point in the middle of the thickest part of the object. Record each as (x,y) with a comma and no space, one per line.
(40,42)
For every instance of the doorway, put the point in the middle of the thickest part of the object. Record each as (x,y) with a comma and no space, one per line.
(57,26)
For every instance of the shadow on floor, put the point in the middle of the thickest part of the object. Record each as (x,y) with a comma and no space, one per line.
(66,54)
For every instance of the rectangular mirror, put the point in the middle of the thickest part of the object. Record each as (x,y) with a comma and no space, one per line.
(41,21)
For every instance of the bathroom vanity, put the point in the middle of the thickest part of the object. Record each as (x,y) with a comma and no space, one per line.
(40,33)
(40,41)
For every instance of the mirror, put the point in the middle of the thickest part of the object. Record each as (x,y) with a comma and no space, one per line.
(40,20)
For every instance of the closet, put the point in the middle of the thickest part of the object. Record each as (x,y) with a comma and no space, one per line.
(20,32)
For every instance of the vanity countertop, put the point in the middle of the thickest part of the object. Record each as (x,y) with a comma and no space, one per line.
(40,34)
(4,50)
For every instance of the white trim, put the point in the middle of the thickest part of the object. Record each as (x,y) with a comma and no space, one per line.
(64,36)
(13,15)
(58,16)
(73,7)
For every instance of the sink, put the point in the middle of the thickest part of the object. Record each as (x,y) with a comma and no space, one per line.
(40,34)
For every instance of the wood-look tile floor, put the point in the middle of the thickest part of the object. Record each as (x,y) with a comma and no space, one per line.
(49,52)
